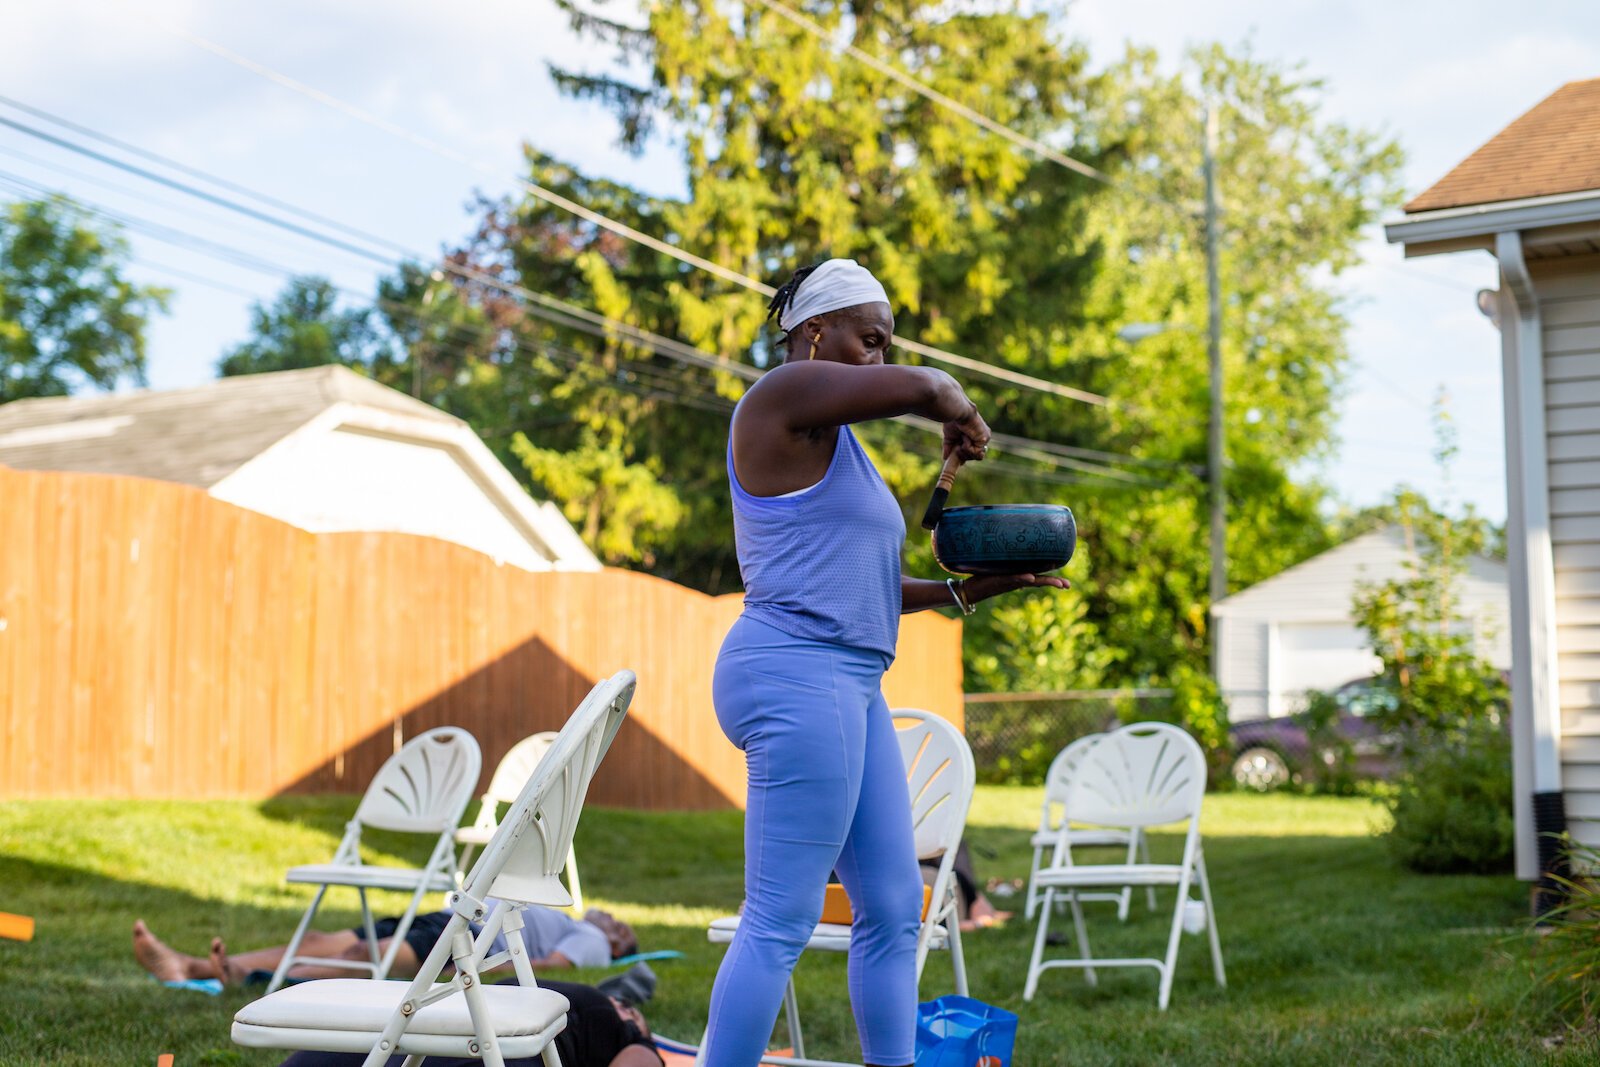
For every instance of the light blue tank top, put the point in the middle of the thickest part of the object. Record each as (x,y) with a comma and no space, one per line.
(824,564)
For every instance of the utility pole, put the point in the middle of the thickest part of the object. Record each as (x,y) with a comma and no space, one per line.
(1216,457)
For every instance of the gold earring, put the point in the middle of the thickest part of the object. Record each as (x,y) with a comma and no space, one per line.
(814,341)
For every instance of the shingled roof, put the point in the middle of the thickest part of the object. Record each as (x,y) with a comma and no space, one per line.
(1554,148)
(194,436)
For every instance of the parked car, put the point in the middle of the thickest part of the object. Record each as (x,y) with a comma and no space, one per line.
(1268,753)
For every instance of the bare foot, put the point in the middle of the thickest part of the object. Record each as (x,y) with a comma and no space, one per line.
(166,963)
(221,966)
(984,914)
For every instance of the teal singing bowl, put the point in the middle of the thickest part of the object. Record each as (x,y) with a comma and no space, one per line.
(1005,538)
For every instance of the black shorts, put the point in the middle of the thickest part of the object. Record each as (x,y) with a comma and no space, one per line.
(424,933)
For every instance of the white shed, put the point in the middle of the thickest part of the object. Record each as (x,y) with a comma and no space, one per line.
(324,449)
(1295,632)
(1530,197)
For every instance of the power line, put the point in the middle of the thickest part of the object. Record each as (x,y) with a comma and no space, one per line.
(1408,270)
(190,190)
(194,172)
(553,309)
(146,227)
(928,92)
(619,228)
(657,386)
(587,322)
(1089,453)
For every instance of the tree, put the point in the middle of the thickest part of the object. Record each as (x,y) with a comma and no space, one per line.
(69,316)
(794,152)
(994,253)
(1452,805)
(1417,623)
(304,327)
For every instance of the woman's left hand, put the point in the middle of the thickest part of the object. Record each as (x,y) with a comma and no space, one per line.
(991,585)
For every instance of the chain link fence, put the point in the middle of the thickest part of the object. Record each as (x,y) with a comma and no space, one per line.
(1014,736)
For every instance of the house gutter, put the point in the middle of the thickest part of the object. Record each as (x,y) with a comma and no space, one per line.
(1479,220)
(1536,707)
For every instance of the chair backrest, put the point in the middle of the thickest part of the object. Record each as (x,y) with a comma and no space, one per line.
(522,863)
(425,787)
(517,766)
(1056,779)
(940,775)
(1144,774)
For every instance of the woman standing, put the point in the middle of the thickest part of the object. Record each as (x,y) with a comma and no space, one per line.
(797,681)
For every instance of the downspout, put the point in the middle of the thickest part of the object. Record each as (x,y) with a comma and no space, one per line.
(1535,696)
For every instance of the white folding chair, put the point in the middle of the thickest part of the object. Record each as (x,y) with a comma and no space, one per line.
(509,777)
(1143,775)
(940,776)
(422,789)
(520,865)
(1052,820)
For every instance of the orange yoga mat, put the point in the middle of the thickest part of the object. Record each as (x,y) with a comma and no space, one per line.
(16,927)
(836,904)
(674,1058)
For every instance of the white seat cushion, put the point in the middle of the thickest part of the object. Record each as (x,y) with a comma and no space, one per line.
(1081,838)
(1100,874)
(369,876)
(349,1014)
(829,937)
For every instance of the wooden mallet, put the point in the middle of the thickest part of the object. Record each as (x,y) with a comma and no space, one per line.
(941,491)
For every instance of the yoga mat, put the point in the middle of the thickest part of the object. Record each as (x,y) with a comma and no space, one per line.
(16,927)
(677,1053)
(641,957)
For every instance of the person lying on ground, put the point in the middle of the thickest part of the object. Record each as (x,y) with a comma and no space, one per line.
(601,1031)
(553,941)
(972,908)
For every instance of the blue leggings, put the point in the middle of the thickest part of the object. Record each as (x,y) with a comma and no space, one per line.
(827,792)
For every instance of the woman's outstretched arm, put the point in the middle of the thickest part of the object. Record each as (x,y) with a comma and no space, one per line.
(919,594)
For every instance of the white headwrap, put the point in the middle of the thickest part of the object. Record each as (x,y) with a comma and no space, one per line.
(838,283)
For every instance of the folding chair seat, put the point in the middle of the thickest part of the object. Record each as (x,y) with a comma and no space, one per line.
(1143,775)
(461,1017)
(940,776)
(423,789)
(513,772)
(1053,820)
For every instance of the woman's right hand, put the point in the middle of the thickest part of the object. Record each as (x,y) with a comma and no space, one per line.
(967,435)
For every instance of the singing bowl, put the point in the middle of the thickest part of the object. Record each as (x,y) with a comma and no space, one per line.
(1005,538)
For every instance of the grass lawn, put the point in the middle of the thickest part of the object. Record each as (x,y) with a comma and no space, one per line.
(1334,955)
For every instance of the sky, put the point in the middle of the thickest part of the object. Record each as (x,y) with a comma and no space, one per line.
(471,77)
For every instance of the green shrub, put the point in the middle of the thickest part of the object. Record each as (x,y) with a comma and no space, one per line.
(1567,960)
(1198,707)
(1452,806)
(1330,765)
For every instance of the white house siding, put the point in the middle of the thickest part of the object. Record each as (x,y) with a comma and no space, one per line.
(1243,667)
(345,479)
(1569,303)
(1294,631)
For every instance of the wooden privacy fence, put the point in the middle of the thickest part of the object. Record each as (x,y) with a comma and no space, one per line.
(155,642)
